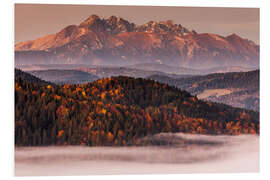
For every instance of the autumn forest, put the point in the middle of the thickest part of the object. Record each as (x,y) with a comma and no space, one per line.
(116,111)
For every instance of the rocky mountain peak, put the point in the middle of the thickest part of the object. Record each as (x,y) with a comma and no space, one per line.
(67,31)
(112,19)
(92,21)
(92,18)
(163,27)
(118,25)
(112,25)
(101,41)
(234,36)
(115,25)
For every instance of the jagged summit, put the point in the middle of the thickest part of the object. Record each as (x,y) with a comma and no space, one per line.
(163,27)
(91,20)
(114,40)
(112,25)
(116,25)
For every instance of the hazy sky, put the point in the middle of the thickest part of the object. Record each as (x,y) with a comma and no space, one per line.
(36,20)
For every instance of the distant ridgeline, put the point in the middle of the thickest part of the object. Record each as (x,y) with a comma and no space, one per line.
(101,41)
(243,87)
(22,77)
(116,111)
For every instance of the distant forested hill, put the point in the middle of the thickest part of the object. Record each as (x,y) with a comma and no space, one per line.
(26,77)
(240,89)
(89,74)
(65,76)
(105,72)
(117,111)
(187,71)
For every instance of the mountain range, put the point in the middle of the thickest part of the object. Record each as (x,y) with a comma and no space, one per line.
(84,74)
(187,71)
(114,40)
(141,67)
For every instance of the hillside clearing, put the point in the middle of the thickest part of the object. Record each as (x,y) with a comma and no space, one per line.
(213,92)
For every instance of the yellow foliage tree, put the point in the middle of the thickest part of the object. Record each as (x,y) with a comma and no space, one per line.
(103,95)
(104,111)
(83,93)
(110,137)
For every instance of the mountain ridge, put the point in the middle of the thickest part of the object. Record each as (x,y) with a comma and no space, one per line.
(115,40)
(238,89)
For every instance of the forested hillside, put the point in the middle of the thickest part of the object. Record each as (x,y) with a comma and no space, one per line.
(105,72)
(26,77)
(240,89)
(65,76)
(89,74)
(117,111)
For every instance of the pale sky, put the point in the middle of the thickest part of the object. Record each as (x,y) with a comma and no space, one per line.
(37,20)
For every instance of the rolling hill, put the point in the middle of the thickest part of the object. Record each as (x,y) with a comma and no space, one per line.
(153,67)
(239,89)
(85,74)
(104,72)
(21,76)
(64,76)
(187,71)
(117,111)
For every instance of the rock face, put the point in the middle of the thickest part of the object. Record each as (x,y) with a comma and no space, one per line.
(116,41)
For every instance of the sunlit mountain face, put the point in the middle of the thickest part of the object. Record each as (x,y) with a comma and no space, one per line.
(115,40)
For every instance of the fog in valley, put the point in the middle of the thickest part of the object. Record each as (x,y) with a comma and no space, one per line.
(162,153)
